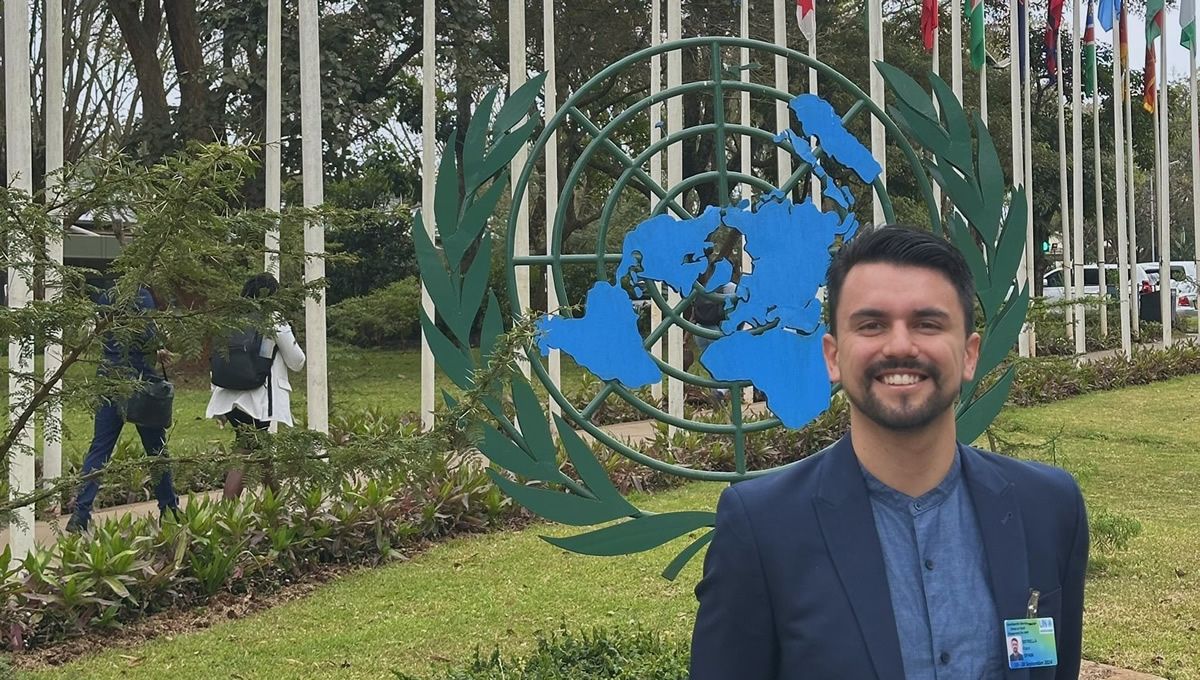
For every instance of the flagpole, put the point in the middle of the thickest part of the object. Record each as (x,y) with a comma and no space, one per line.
(878,135)
(674,178)
(656,171)
(746,165)
(783,160)
(1030,253)
(1123,263)
(1101,270)
(1135,293)
(937,71)
(1077,176)
(1164,196)
(812,89)
(1195,171)
(550,60)
(428,182)
(52,361)
(517,75)
(1018,136)
(1064,210)
(956,73)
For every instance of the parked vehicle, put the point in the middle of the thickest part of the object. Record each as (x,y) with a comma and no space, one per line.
(1183,283)
(1052,281)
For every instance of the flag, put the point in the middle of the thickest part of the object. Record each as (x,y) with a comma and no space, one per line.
(1089,51)
(1123,52)
(975,17)
(1106,13)
(1187,20)
(1149,82)
(1053,26)
(1154,20)
(806,16)
(1022,19)
(929,22)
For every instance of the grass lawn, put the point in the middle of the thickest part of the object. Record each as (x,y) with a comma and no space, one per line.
(1134,451)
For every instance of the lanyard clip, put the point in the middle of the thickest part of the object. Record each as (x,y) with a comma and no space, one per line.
(1032,607)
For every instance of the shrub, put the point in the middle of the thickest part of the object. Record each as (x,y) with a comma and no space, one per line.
(590,655)
(1111,532)
(388,317)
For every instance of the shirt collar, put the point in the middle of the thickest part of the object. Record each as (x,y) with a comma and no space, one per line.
(882,493)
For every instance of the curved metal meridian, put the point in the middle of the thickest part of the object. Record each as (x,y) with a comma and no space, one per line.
(632,166)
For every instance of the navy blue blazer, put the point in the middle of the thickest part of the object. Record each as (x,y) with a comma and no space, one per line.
(794,583)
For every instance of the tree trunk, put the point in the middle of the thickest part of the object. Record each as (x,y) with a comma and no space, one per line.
(141,31)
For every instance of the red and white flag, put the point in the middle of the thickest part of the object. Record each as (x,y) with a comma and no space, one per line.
(806,16)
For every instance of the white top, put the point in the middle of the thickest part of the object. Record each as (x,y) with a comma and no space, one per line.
(254,403)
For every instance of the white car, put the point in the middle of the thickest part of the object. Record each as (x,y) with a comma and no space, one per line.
(1183,283)
(1052,281)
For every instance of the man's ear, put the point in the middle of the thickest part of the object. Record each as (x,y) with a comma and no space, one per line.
(971,358)
(829,351)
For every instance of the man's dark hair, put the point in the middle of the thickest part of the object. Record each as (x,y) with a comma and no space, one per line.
(907,247)
(260,285)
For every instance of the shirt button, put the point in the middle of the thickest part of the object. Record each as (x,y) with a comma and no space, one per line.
(916,506)
(945,657)
(929,565)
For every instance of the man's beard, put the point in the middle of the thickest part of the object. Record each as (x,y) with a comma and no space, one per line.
(908,417)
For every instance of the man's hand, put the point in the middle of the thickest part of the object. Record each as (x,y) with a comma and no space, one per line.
(165,356)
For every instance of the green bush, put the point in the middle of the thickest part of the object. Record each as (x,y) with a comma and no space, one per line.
(1111,532)
(590,655)
(388,317)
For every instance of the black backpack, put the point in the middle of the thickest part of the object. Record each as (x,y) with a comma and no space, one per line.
(239,365)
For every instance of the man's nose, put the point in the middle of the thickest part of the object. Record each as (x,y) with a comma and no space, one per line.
(900,342)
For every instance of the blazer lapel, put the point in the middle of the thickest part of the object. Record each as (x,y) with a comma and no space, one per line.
(1003,534)
(848,526)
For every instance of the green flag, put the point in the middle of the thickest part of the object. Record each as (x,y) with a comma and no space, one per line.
(975,17)
(1089,51)
(1187,20)
(1154,19)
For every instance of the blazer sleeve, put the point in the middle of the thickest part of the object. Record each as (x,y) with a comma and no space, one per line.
(1070,639)
(289,349)
(734,636)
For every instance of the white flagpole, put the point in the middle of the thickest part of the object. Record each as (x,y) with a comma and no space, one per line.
(744,119)
(1077,177)
(656,169)
(1195,171)
(1030,255)
(812,89)
(1101,272)
(956,48)
(18,122)
(1064,209)
(517,75)
(1164,196)
(314,230)
(53,29)
(674,178)
(937,71)
(1123,263)
(878,134)
(782,119)
(273,138)
(1135,295)
(428,184)
(1018,137)
(983,104)
(554,361)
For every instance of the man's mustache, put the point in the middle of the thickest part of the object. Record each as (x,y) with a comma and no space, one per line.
(879,368)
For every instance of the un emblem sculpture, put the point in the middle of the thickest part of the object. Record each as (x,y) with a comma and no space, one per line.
(770,338)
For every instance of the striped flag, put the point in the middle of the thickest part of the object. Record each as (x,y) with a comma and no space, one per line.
(1154,20)
(806,16)
(1123,52)
(1187,19)
(1149,82)
(929,22)
(1089,51)
(975,17)
(1053,26)
(1022,23)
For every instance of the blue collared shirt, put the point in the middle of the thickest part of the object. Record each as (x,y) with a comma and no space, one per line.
(938,578)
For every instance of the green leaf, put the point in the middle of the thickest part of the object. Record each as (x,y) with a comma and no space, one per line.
(991,186)
(557,506)
(445,193)
(474,221)
(501,450)
(457,365)
(504,151)
(962,193)
(490,330)
(477,131)
(979,413)
(959,153)
(474,287)
(963,239)
(519,104)
(908,91)
(1002,332)
(929,135)
(434,275)
(590,471)
(1010,246)
(116,586)
(636,535)
(686,556)
(535,429)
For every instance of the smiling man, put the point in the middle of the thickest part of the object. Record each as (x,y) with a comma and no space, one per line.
(898,552)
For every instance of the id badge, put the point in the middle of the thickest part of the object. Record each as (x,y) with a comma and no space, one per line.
(1029,643)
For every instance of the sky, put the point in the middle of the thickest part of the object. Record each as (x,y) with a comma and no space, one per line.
(1177,56)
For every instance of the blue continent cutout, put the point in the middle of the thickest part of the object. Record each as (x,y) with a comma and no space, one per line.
(605,339)
(818,119)
(786,366)
(672,251)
